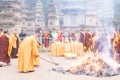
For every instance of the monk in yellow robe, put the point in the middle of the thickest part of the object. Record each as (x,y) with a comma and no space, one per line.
(116,39)
(27,52)
(15,44)
(37,59)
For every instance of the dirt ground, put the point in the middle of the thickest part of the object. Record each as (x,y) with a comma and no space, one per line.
(44,72)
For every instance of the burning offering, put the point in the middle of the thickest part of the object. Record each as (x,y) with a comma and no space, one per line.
(91,66)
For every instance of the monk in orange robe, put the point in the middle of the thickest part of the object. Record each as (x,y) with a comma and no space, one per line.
(27,53)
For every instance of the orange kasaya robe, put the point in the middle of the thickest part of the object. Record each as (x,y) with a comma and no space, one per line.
(37,59)
(27,52)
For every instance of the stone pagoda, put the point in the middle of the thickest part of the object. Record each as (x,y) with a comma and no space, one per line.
(10,15)
(53,16)
(28,19)
(39,16)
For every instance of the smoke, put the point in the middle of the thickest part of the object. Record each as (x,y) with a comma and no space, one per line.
(105,46)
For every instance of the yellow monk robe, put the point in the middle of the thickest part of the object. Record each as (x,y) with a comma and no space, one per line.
(10,45)
(13,38)
(14,45)
(27,52)
(116,40)
(37,59)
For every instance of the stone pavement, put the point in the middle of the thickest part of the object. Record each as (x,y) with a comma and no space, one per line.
(44,72)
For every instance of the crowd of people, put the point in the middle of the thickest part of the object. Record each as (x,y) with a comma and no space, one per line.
(96,41)
(26,47)
(9,44)
(26,50)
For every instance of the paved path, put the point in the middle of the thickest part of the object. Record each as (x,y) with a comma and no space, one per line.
(43,72)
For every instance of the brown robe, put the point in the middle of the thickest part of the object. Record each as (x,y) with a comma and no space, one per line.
(82,38)
(4,44)
(88,40)
(46,40)
(117,50)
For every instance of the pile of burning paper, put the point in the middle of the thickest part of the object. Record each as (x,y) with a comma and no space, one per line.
(92,66)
